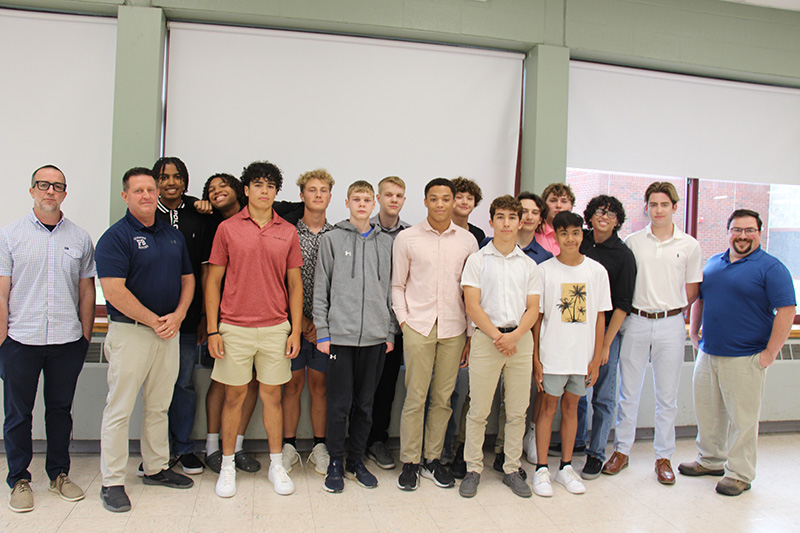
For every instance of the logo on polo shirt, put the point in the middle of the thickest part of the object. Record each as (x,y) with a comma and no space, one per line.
(141,241)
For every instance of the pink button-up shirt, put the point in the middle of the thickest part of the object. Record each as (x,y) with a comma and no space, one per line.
(547,239)
(426,278)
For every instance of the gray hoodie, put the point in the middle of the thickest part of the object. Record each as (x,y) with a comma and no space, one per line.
(352,287)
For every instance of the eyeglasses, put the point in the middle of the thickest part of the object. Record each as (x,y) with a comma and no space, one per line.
(44,185)
(747,231)
(610,214)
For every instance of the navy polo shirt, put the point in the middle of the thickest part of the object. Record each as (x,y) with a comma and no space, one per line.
(534,250)
(739,302)
(151,259)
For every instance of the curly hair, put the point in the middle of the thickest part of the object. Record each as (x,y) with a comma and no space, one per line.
(232,182)
(559,189)
(158,168)
(470,187)
(262,170)
(318,174)
(609,203)
(507,202)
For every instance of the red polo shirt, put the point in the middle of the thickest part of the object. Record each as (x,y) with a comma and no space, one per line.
(256,261)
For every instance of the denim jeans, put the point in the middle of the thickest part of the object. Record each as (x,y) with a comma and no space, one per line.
(20,367)
(184,398)
(604,403)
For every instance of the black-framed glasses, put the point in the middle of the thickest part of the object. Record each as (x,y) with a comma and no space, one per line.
(610,214)
(747,231)
(44,185)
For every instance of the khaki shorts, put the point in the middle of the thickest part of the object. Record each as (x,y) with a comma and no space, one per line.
(556,384)
(264,348)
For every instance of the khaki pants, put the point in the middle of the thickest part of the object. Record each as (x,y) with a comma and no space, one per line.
(137,359)
(461,436)
(727,401)
(431,363)
(486,364)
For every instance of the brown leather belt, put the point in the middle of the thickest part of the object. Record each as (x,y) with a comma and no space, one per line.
(659,314)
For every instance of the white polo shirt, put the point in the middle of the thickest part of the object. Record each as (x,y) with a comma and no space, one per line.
(505,283)
(663,268)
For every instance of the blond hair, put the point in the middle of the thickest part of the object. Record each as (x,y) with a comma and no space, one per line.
(360,186)
(394,180)
(318,174)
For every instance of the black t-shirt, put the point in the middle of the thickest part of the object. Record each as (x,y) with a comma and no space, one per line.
(477,232)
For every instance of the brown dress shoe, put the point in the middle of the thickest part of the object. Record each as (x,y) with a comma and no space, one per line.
(696,469)
(732,487)
(664,472)
(617,462)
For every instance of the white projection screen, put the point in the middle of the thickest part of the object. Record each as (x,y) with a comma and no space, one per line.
(56,107)
(361,108)
(629,120)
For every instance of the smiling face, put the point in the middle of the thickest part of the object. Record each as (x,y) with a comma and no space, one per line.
(741,244)
(569,239)
(604,220)
(556,204)
(391,198)
(48,201)
(660,209)
(439,202)
(141,197)
(316,195)
(171,185)
(221,194)
(531,216)
(261,193)
(464,204)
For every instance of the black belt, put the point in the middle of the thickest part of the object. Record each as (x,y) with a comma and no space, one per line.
(507,330)
(657,314)
(122,318)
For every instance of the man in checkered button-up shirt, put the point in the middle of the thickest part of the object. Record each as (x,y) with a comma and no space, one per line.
(47,299)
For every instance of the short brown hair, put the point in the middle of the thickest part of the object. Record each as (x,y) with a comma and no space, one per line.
(470,187)
(394,180)
(558,189)
(318,174)
(360,186)
(505,202)
(662,186)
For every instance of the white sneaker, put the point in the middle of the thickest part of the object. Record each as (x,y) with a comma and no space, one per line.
(541,483)
(226,482)
(570,479)
(529,445)
(290,457)
(320,458)
(280,480)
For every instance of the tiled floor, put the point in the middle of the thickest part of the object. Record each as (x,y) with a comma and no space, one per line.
(630,501)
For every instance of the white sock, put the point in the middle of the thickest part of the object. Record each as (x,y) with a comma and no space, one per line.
(212,443)
(227,460)
(275,459)
(239,443)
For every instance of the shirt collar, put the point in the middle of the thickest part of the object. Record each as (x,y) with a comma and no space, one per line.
(490,249)
(399,226)
(133,221)
(35,220)
(244,214)
(427,225)
(676,233)
(165,209)
(755,255)
(611,242)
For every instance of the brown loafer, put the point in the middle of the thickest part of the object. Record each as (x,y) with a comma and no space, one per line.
(617,462)
(695,469)
(664,472)
(732,487)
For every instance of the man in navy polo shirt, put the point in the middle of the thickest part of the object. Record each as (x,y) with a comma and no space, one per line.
(746,307)
(147,280)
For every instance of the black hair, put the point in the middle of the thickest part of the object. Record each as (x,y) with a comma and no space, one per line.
(440,182)
(567,219)
(262,170)
(136,171)
(739,213)
(232,181)
(609,203)
(158,168)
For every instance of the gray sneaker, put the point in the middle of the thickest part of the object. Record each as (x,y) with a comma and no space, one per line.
(21,498)
(115,499)
(290,457)
(518,485)
(469,486)
(380,454)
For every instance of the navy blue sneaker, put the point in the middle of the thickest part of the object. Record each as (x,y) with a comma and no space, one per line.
(334,479)
(356,470)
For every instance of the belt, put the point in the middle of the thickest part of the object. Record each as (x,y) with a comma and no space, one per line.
(657,314)
(507,330)
(122,318)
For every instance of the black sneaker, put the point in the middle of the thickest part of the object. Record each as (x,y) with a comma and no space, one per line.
(592,468)
(190,464)
(356,470)
(115,499)
(555,450)
(436,471)
(379,453)
(409,477)
(459,467)
(168,478)
(334,479)
(499,461)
